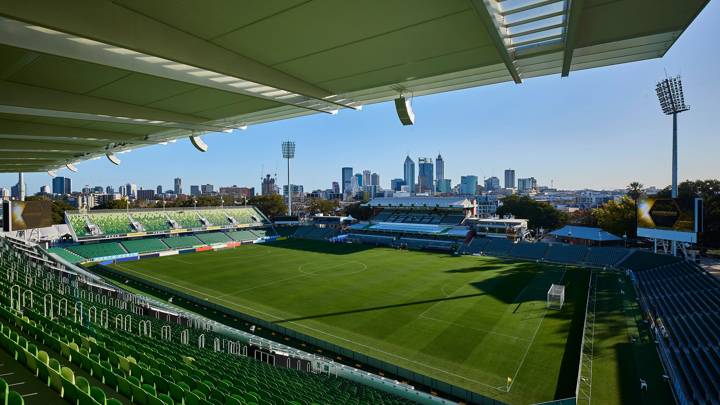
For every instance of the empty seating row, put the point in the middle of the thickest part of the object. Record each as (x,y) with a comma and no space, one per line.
(684,300)
(93,250)
(87,361)
(213,237)
(144,245)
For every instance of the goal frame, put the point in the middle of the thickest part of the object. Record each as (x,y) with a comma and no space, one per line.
(556,297)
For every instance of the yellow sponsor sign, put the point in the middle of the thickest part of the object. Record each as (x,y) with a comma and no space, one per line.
(131,235)
(212,228)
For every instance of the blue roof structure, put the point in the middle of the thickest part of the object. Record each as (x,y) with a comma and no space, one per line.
(585,232)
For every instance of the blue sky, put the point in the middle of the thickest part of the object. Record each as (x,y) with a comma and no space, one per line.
(599,128)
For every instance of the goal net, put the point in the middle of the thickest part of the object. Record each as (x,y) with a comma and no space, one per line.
(556,296)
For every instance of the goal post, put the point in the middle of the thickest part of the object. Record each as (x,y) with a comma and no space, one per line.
(556,296)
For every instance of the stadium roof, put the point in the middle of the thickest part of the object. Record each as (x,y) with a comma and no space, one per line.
(584,232)
(79,79)
(428,202)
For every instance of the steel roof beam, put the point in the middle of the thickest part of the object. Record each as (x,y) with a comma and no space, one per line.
(30,100)
(573,21)
(30,130)
(493,27)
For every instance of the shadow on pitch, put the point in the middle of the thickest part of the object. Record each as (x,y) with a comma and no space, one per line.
(319,246)
(378,308)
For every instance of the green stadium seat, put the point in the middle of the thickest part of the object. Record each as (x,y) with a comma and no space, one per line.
(144,245)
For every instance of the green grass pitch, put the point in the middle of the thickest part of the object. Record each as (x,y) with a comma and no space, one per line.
(470,321)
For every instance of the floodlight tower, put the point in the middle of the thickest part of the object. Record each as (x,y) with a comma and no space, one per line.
(672,101)
(288,151)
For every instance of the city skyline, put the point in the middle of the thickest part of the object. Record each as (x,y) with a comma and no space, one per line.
(476,130)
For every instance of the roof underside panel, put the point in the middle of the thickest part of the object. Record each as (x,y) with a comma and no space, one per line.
(80,79)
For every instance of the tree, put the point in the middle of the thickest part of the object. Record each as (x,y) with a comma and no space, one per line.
(582,218)
(539,214)
(635,190)
(358,211)
(325,207)
(270,205)
(114,205)
(617,217)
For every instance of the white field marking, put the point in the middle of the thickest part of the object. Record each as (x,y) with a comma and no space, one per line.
(312,273)
(29,394)
(370,348)
(522,361)
(473,328)
(304,274)
(16,384)
(6,374)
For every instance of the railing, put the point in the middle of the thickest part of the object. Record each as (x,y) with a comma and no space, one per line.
(583,386)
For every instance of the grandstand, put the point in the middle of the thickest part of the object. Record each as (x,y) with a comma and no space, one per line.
(179,242)
(315,233)
(153,356)
(144,245)
(681,301)
(213,237)
(94,250)
(101,224)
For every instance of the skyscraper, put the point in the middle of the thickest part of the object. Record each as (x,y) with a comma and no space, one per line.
(159,189)
(61,185)
(375,179)
(178,186)
(509,178)
(131,190)
(396,184)
(268,186)
(425,175)
(527,185)
(366,178)
(439,168)
(194,190)
(335,187)
(358,181)
(347,179)
(492,183)
(409,174)
(468,185)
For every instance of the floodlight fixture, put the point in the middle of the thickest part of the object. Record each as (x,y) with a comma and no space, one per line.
(672,102)
(71,167)
(52,173)
(288,151)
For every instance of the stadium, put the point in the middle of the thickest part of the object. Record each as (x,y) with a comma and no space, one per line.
(422,302)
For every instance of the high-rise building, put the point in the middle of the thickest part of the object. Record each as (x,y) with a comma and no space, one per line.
(4,193)
(178,185)
(268,186)
(358,181)
(16,192)
(347,179)
(439,168)
(526,185)
(131,190)
(45,189)
(426,181)
(509,178)
(109,190)
(158,190)
(297,191)
(366,178)
(409,174)
(237,192)
(375,179)
(207,188)
(492,184)
(396,184)
(61,185)
(444,186)
(194,190)
(335,187)
(147,195)
(122,190)
(468,185)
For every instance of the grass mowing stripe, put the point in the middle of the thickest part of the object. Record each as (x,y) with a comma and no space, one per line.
(394,306)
